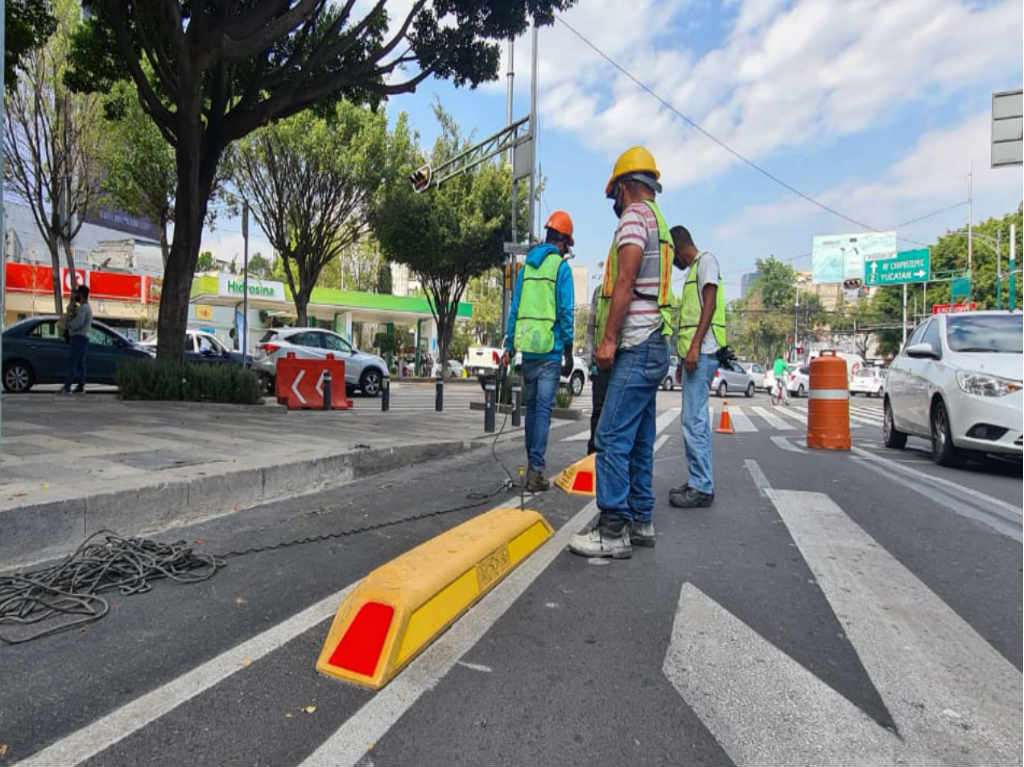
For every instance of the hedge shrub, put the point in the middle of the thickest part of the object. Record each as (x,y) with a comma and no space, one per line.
(149,379)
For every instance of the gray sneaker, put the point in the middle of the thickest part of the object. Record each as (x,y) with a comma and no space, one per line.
(642,534)
(535,481)
(604,540)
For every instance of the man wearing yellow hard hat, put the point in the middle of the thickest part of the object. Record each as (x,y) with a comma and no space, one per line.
(632,325)
(540,326)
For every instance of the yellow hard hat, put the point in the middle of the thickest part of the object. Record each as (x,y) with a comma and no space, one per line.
(634,160)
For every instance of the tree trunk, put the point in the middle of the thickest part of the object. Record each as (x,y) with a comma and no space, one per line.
(301,303)
(165,247)
(196,167)
(58,293)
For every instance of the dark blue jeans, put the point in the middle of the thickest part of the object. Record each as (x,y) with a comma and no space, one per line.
(625,433)
(540,379)
(76,362)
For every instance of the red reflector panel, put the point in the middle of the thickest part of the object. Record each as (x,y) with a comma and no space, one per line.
(359,650)
(584,482)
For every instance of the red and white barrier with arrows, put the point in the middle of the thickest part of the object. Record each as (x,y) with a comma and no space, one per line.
(299,383)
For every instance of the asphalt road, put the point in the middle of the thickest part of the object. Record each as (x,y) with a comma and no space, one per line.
(829,608)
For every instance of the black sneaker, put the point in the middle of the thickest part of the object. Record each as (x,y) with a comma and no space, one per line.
(690,498)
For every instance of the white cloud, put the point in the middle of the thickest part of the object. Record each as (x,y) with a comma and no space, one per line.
(931,175)
(786,75)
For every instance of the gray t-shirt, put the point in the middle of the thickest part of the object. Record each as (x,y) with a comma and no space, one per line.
(81,323)
(707,271)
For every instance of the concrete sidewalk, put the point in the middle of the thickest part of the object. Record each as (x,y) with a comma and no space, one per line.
(70,466)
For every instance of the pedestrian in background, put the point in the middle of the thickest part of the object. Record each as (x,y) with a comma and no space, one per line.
(632,321)
(779,372)
(598,377)
(78,337)
(702,308)
(540,326)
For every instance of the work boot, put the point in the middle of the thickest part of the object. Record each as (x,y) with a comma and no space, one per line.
(690,498)
(535,481)
(642,534)
(608,538)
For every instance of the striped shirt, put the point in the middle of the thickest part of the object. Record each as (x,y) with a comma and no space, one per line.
(639,226)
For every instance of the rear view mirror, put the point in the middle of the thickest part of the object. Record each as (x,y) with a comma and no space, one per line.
(922,350)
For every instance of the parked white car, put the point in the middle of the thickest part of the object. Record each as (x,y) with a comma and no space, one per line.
(958,383)
(798,380)
(363,371)
(869,380)
(483,360)
(733,378)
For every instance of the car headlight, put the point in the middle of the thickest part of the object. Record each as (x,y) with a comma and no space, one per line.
(984,385)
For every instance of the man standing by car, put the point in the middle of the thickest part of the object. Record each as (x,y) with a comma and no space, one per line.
(632,321)
(540,325)
(701,309)
(78,332)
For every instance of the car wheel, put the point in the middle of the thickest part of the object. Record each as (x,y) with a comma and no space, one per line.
(576,382)
(723,390)
(666,385)
(890,436)
(750,390)
(800,392)
(944,452)
(18,377)
(879,393)
(267,382)
(369,382)
(853,394)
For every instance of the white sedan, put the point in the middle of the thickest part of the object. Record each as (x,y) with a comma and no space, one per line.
(868,380)
(958,383)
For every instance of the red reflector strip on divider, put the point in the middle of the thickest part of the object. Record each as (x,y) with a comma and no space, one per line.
(584,482)
(359,650)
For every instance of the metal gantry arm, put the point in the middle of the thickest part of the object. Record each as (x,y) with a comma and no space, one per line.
(507,138)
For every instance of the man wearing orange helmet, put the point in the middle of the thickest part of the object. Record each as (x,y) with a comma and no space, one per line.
(633,320)
(540,325)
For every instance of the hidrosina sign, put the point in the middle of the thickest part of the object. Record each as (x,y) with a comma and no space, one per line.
(233,285)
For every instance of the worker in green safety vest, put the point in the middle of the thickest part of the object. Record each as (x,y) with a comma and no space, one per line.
(540,326)
(700,335)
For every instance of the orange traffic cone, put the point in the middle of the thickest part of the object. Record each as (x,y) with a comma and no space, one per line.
(725,422)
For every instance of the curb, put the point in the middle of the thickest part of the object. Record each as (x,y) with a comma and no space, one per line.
(565,413)
(48,530)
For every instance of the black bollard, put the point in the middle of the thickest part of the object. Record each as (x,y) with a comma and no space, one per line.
(517,398)
(385,396)
(439,395)
(489,406)
(327,390)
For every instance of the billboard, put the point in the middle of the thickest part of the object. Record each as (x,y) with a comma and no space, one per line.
(839,257)
(1007,124)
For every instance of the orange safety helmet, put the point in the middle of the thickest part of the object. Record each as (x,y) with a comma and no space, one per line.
(561,223)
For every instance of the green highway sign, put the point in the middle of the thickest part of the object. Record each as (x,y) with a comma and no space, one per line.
(905,266)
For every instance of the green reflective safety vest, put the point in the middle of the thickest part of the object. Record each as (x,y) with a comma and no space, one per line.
(535,322)
(689,312)
(664,296)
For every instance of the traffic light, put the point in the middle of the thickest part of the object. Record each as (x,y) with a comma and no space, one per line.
(420,178)
(856,282)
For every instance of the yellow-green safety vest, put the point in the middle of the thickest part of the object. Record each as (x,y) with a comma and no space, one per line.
(535,321)
(689,312)
(611,273)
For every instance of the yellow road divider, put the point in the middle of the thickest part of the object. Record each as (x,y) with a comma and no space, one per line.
(397,610)
(579,478)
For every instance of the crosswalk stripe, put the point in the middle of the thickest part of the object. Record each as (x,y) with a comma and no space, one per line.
(774,421)
(740,422)
(790,413)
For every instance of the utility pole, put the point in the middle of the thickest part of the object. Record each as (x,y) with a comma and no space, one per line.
(3,234)
(904,314)
(970,237)
(999,267)
(796,325)
(1013,263)
(245,280)
(510,259)
(533,129)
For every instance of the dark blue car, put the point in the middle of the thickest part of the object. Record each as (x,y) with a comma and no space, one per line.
(34,352)
(203,347)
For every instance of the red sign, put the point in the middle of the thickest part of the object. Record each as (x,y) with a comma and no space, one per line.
(951,308)
(109,286)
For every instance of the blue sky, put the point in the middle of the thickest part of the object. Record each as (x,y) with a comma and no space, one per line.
(876,108)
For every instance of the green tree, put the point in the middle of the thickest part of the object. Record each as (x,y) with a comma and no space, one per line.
(384,279)
(206,262)
(28,24)
(484,293)
(310,181)
(449,234)
(260,266)
(776,282)
(210,72)
(51,144)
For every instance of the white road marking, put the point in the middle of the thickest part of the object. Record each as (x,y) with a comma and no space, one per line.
(371,722)
(773,420)
(119,724)
(665,419)
(785,444)
(477,667)
(789,412)
(740,422)
(922,657)
(969,493)
(659,442)
(583,435)
(757,475)
(761,705)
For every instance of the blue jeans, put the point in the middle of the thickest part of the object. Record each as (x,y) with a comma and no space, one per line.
(697,424)
(540,379)
(625,433)
(76,362)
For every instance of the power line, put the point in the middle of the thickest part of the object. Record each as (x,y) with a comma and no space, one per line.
(698,127)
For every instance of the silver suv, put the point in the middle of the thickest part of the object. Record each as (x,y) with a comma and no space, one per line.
(362,371)
(731,377)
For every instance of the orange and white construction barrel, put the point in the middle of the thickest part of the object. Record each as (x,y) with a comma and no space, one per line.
(828,407)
